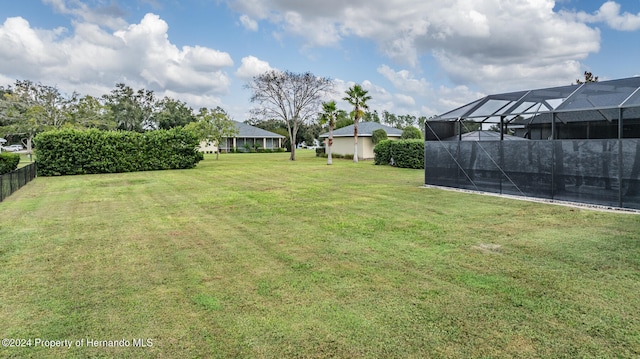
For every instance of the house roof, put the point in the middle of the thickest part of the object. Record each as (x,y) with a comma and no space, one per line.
(248,131)
(365,129)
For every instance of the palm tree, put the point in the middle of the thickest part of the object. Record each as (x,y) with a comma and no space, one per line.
(329,117)
(357,97)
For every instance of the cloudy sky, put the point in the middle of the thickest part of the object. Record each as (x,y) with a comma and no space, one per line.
(420,57)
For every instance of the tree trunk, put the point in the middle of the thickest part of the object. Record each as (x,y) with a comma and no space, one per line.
(293,152)
(355,142)
(329,144)
(28,143)
(292,139)
(217,153)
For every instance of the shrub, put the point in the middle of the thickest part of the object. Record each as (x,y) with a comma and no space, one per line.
(320,151)
(411,132)
(378,135)
(71,151)
(402,153)
(408,153)
(382,152)
(8,162)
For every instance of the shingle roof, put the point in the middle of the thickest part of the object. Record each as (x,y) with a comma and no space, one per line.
(248,131)
(365,129)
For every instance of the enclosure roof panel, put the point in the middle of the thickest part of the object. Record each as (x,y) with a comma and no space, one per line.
(483,136)
(613,94)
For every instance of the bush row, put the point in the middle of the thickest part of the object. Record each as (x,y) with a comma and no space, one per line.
(71,151)
(402,153)
(8,162)
(335,155)
(256,150)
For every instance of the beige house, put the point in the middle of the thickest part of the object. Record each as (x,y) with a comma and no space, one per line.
(343,139)
(247,136)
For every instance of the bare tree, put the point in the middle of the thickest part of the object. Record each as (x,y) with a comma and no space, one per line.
(291,97)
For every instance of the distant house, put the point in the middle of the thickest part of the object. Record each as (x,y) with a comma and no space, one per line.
(343,139)
(247,134)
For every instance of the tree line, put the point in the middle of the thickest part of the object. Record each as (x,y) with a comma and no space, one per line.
(289,104)
(292,104)
(28,108)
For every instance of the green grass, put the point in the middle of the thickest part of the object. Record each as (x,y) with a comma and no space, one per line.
(256,256)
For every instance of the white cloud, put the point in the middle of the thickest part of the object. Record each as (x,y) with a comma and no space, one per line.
(252,66)
(91,58)
(248,23)
(109,16)
(404,100)
(609,13)
(317,31)
(498,39)
(403,80)
(27,48)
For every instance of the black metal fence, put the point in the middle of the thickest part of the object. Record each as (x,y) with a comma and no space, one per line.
(13,181)
(602,172)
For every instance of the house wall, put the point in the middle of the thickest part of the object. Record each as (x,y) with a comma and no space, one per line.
(344,146)
(207,147)
(271,143)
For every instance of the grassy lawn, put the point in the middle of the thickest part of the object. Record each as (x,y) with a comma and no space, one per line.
(256,256)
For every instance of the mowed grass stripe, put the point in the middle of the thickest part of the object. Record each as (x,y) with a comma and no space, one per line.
(257,256)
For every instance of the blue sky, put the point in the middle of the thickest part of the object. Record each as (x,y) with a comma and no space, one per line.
(415,57)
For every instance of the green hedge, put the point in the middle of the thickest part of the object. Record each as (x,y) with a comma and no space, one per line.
(8,162)
(402,153)
(382,152)
(378,135)
(71,151)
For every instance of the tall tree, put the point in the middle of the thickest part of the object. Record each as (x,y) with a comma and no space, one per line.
(90,112)
(329,116)
(132,110)
(343,120)
(357,97)
(29,108)
(291,97)
(173,113)
(588,77)
(213,126)
(371,116)
(391,119)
